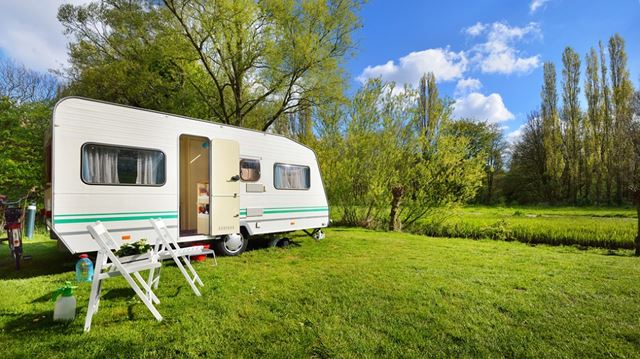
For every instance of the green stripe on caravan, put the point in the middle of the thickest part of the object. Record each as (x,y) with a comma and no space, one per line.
(114,219)
(137,216)
(111,214)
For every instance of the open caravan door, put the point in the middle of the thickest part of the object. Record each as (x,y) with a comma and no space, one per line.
(225,187)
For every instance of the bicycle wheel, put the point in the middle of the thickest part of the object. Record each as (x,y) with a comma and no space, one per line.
(15,242)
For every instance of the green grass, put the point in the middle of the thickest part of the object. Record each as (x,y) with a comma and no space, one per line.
(583,226)
(356,293)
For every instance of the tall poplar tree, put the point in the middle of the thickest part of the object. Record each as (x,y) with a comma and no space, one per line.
(622,90)
(594,127)
(430,109)
(572,118)
(552,136)
(607,143)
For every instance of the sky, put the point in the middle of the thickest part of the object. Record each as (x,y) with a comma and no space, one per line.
(487,55)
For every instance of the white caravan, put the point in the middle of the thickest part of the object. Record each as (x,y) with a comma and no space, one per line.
(122,166)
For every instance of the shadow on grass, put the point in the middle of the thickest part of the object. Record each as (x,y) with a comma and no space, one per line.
(118,293)
(45,259)
(45,298)
(35,322)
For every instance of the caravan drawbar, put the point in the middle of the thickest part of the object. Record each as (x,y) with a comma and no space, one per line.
(123,166)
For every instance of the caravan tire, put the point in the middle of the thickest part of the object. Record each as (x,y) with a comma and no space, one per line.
(232,245)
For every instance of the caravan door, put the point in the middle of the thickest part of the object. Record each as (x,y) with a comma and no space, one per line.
(225,187)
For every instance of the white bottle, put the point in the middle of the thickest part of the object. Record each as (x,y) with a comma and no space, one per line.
(65,309)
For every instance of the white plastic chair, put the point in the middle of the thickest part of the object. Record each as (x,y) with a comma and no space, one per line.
(167,248)
(127,267)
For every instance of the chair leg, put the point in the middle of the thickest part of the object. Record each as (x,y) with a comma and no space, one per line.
(94,296)
(144,285)
(196,277)
(150,280)
(142,296)
(186,275)
(215,261)
(97,303)
(156,280)
(91,309)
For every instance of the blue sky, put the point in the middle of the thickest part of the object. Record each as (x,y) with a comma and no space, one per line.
(487,54)
(502,44)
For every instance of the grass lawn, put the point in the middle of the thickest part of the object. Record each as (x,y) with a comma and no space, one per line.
(356,293)
(583,226)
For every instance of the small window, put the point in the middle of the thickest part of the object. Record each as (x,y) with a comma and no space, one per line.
(249,170)
(114,165)
(291,176)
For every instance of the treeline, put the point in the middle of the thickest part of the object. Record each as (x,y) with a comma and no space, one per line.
(579,155)
(390,156)
(26,100)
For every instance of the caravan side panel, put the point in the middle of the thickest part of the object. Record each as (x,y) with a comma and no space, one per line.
(124,209)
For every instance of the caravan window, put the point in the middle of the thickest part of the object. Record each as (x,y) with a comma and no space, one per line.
(291,176)
(249,170)
(115,165)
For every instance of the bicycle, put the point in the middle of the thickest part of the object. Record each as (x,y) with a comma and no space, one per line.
(13,214)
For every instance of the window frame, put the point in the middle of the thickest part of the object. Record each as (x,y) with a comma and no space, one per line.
(259,169)
(134,148)
(290,165)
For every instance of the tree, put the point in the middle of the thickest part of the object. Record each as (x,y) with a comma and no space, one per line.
(124,51)
(429,106)
(21,85)
(382,171)
(266,55)
(636,106)
(634,185)
(607,143)
(524,183)
(622,98)
(552,136)
(572,118)
(485,140)
(245,63)
(593,128)
(26,99)
(22,129)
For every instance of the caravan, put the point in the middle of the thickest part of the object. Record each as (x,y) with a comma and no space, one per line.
(123,166)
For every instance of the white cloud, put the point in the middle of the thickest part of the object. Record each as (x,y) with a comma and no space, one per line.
(536,4)
(498,53)
(31,33)
(514,136)
(476,29)
(446,66)
(483,108)
(464,86)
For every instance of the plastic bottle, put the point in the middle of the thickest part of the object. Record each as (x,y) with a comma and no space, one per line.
(65,309)
(84,269)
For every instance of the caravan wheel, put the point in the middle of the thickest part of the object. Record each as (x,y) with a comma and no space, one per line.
(232,244)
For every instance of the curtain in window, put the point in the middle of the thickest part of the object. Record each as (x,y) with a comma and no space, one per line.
(101,165)
(148,170)
(291,177)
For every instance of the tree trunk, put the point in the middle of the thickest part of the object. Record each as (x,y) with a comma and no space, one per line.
(635,196)
(394,218)
(609,187)
(490,187)
(637,241)
(619,187)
